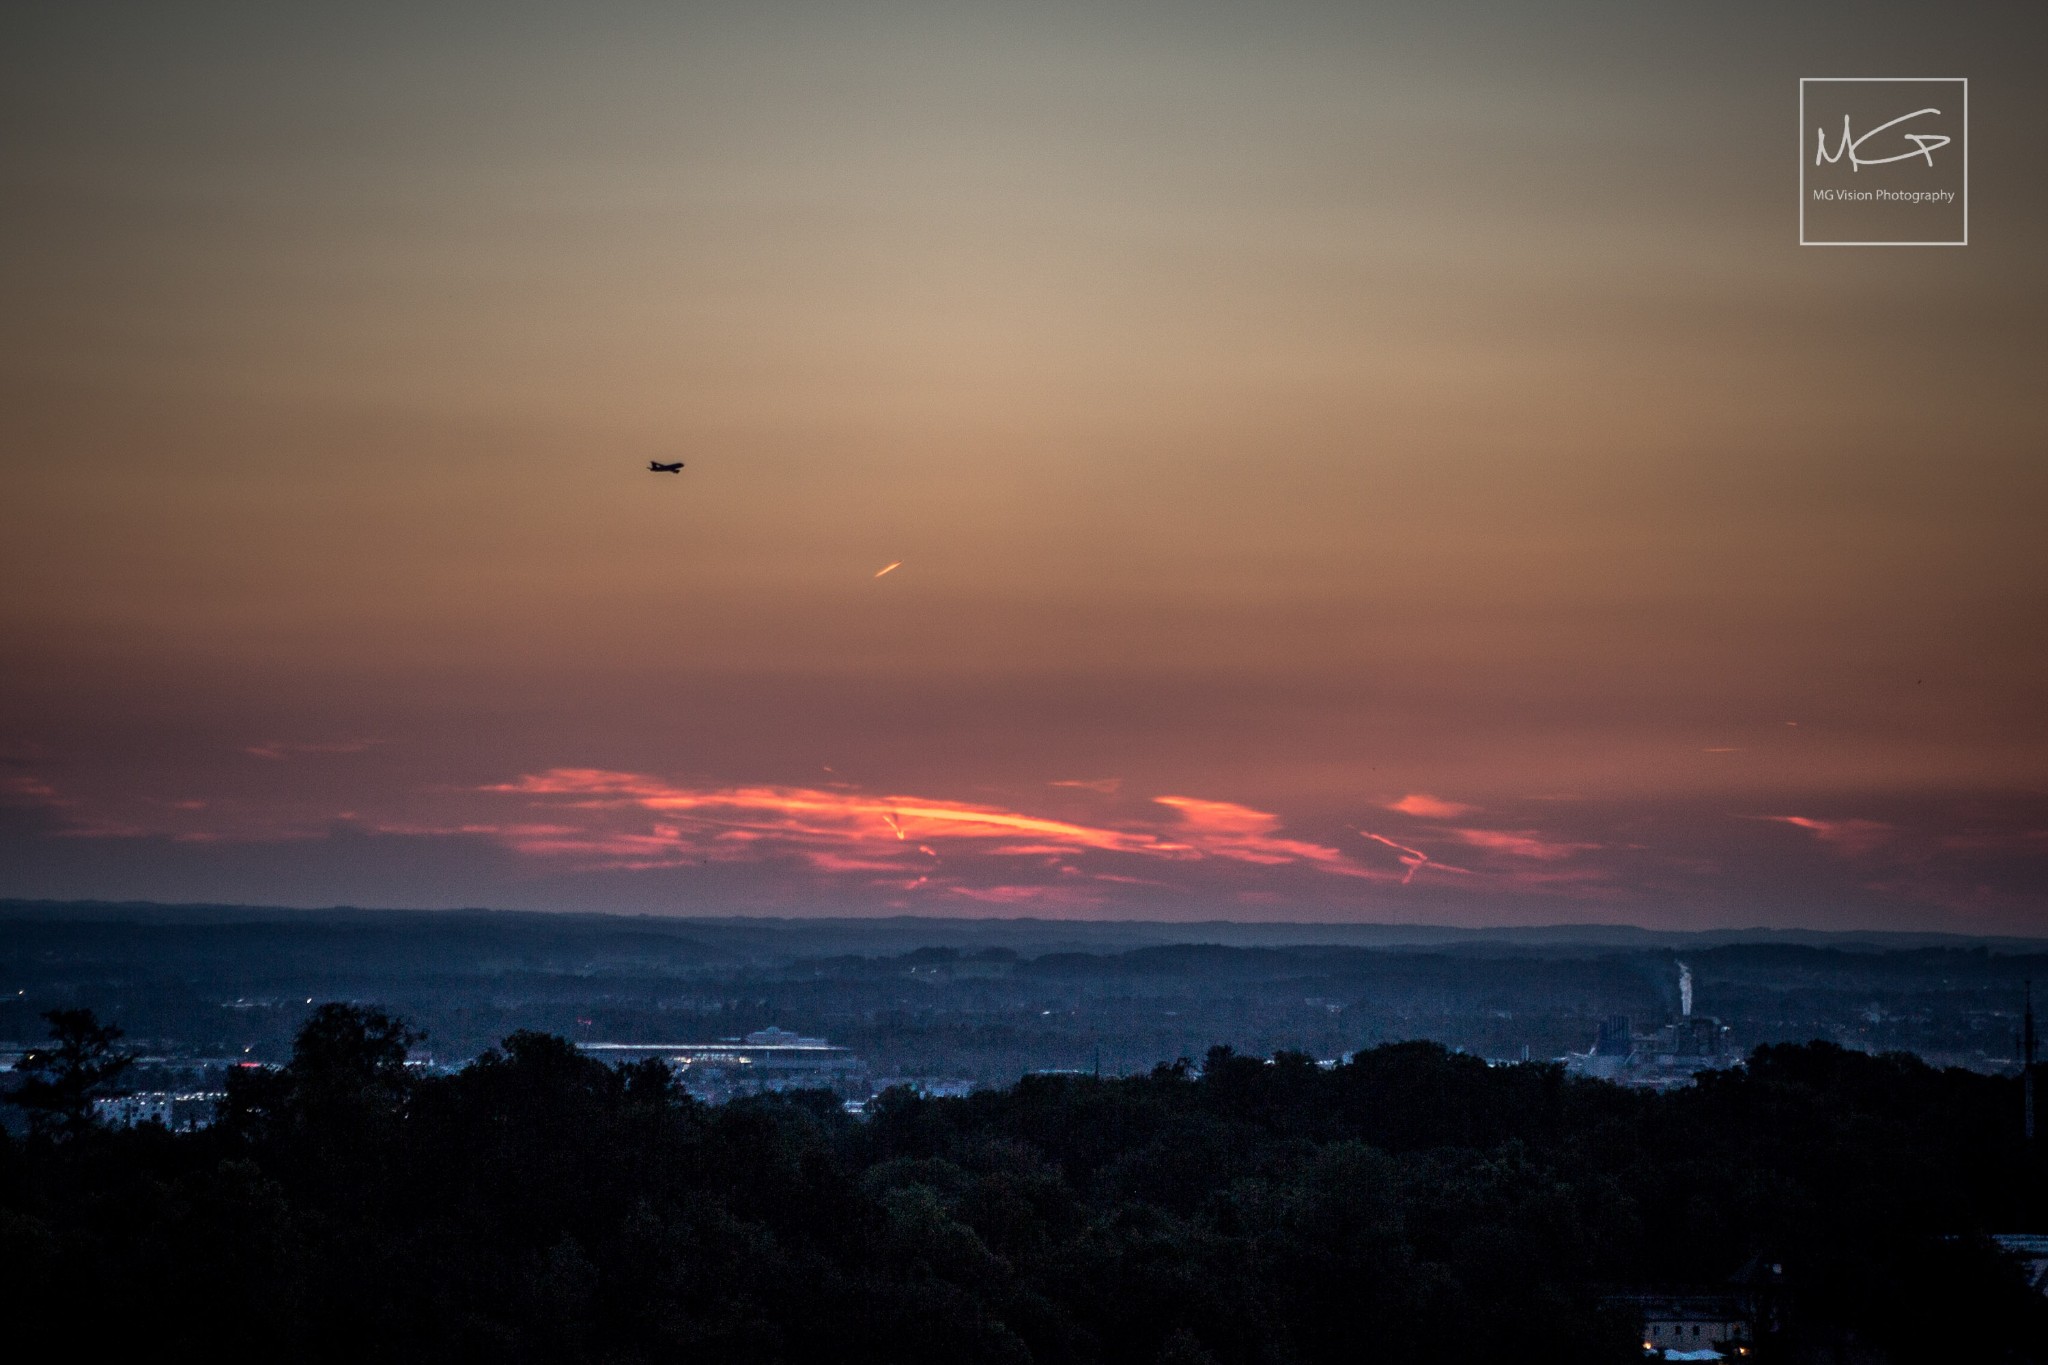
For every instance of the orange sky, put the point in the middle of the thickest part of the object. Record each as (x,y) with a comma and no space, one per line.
(1390,465)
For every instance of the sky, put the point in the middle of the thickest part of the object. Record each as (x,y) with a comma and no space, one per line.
(1342,462)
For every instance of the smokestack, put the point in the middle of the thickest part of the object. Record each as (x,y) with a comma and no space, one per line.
(1684,991)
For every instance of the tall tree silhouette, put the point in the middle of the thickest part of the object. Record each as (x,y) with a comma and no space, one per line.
(79,1065)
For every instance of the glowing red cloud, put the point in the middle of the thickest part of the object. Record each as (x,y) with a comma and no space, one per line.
(772,841)
(1430,807)
(984,852)
(1852,838)
(1222,830)
(838,831)
(1520,843)
(812,813)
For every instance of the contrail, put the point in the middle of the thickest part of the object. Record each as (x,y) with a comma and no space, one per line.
(887,567)
(1414,859)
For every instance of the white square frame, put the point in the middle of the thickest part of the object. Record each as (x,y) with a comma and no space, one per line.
(1963,81)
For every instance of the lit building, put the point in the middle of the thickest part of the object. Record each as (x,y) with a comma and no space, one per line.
(768,1061)
(1686,1326)
(180,1111)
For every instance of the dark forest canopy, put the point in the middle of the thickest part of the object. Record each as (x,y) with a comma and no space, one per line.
(1411,1205)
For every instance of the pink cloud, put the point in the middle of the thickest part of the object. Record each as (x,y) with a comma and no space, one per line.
(1026,895)
(812,813)
(1851,838)
(848,832)
(32,790)
(280,749)
(1520,843)
(1430,807)
(827,861)
(1222,829)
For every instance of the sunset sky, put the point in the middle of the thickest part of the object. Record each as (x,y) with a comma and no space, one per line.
(1344,463)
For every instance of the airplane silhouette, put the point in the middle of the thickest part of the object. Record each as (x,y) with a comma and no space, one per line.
(656,468)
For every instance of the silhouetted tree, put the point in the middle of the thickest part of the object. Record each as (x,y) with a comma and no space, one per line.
(79,1065)
(349,1059)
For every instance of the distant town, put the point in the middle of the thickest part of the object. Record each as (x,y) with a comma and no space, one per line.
(941,1008)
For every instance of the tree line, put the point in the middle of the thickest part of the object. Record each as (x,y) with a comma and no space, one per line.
(1409,1205)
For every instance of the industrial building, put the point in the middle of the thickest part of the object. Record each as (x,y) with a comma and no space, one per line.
(1663,1057)
(767,1061)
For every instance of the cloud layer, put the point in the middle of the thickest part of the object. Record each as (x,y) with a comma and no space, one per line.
(602,838)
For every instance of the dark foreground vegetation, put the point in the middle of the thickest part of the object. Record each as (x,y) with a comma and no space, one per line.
(1410,1205)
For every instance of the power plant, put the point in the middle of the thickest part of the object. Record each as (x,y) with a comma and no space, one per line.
(1663,1058)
